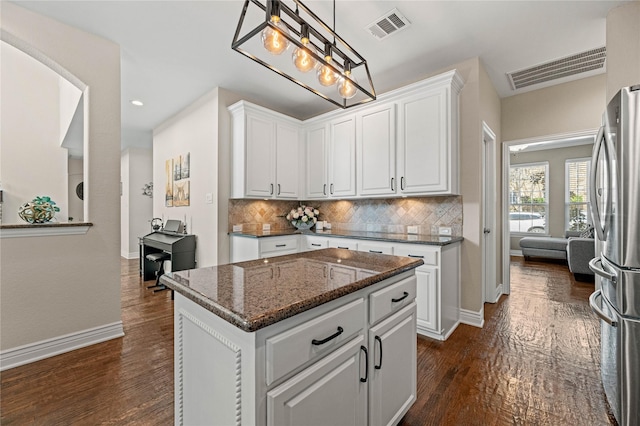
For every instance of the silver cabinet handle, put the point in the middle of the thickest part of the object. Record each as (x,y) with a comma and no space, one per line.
(595,307)
(416,256)
(271,190)
(402,183)
(324,189)
(392,185)
(278,189)
(331,189)
(595,265)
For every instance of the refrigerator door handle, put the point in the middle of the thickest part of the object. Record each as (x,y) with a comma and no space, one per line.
(595,265)
(595,307)
(601,230)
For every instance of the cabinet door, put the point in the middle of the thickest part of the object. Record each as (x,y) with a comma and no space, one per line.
(329,392)
(423,143)
(260,157)
(342,157)
(428,298)
(376,142)
(316,174)
(287,161)
(340,276)
(392,369)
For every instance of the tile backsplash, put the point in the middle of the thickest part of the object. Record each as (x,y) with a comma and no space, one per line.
(372,215)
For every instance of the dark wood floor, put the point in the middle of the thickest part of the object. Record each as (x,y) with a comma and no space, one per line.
(535,362)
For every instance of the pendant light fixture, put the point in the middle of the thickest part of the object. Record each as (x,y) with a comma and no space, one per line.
(275,28)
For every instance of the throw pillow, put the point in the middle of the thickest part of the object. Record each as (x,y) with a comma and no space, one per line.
(588,233)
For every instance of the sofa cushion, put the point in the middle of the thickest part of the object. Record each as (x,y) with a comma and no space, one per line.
(544,243)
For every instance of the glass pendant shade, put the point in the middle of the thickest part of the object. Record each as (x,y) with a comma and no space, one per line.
(346,88)
(302,58)
(273,40)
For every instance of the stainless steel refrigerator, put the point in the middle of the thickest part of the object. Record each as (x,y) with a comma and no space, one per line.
(615,208)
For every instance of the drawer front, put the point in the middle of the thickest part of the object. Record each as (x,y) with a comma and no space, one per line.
(343,243)
(289,350)
(391,299)
(271,245)
(315,243)
(380,248)
(430,255)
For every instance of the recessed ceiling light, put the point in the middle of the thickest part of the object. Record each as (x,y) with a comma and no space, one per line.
(137,102)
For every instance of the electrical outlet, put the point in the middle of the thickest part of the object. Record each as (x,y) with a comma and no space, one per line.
(444,230)
(266,227)
(237,228)
(412,229)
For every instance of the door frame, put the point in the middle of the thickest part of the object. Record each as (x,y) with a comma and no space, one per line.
(557,140)
(491,291)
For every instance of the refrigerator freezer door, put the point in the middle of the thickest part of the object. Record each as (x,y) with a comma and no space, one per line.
(622,139)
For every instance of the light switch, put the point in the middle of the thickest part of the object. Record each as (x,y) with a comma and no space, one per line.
(208,198)
(266,227)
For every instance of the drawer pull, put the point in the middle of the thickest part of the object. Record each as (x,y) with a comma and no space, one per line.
(346,248)
(325,340)
(416,256)
(404,296)
(316,244)
(379,366)
(366,365)
(281,245)
(375,251)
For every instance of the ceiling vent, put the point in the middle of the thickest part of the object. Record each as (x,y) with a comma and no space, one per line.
(571,65)
(390,23)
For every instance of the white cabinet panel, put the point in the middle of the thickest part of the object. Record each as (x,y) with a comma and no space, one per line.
(393,386)
(428,299)
(343,243)
(260,156)
(376,247)
(327,393)
(376,143)
(342,157)
(287,161)
(317,169)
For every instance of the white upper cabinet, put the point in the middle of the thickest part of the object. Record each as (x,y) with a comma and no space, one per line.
(376,147)
(342,156)
(427,147)
(266,153)
(317,167)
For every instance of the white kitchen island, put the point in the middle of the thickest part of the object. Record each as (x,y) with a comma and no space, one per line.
(317,338)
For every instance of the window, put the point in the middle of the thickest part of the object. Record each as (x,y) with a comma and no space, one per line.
(576,216)
(528,198)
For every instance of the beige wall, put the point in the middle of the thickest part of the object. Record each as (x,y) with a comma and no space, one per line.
(556,184)
(57,285)
(564,108)
(623,47)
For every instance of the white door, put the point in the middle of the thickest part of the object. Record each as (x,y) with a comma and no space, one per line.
(260,157)
(489,190)
(342,158)
(376,142)
(287,161)
(316,174)
(329,392)
(392,369)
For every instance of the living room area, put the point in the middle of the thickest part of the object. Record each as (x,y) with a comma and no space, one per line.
(548,196)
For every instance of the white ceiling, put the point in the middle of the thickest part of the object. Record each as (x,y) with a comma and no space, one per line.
(175,51)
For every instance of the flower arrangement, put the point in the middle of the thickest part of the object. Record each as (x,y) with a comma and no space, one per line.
(303,217)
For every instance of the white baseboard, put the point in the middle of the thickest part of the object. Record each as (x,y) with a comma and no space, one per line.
(32,352)
(499,291)
(473,318)
(131,255)
(515,253)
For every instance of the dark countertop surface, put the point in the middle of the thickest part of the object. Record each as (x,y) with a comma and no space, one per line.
(437,240)
(255,294)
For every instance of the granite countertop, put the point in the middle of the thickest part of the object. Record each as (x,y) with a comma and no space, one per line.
(255,294)
(437,240)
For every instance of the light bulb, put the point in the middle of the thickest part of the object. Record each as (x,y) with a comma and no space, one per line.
(274,41)
(326,75)
(302,59)
(346,88)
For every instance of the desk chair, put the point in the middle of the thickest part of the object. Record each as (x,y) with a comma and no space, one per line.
(158,258)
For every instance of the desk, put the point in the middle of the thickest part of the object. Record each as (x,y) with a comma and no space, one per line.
(181,247)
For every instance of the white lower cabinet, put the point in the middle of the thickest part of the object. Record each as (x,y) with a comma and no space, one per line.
(329,392)
(393,386)
(343,243)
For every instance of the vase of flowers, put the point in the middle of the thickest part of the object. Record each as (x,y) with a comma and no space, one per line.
(38,210)
(303,217)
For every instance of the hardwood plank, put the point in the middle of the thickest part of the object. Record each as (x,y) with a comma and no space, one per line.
(535,362)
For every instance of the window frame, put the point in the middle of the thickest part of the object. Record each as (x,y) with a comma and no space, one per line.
(510,204)
(567,197)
